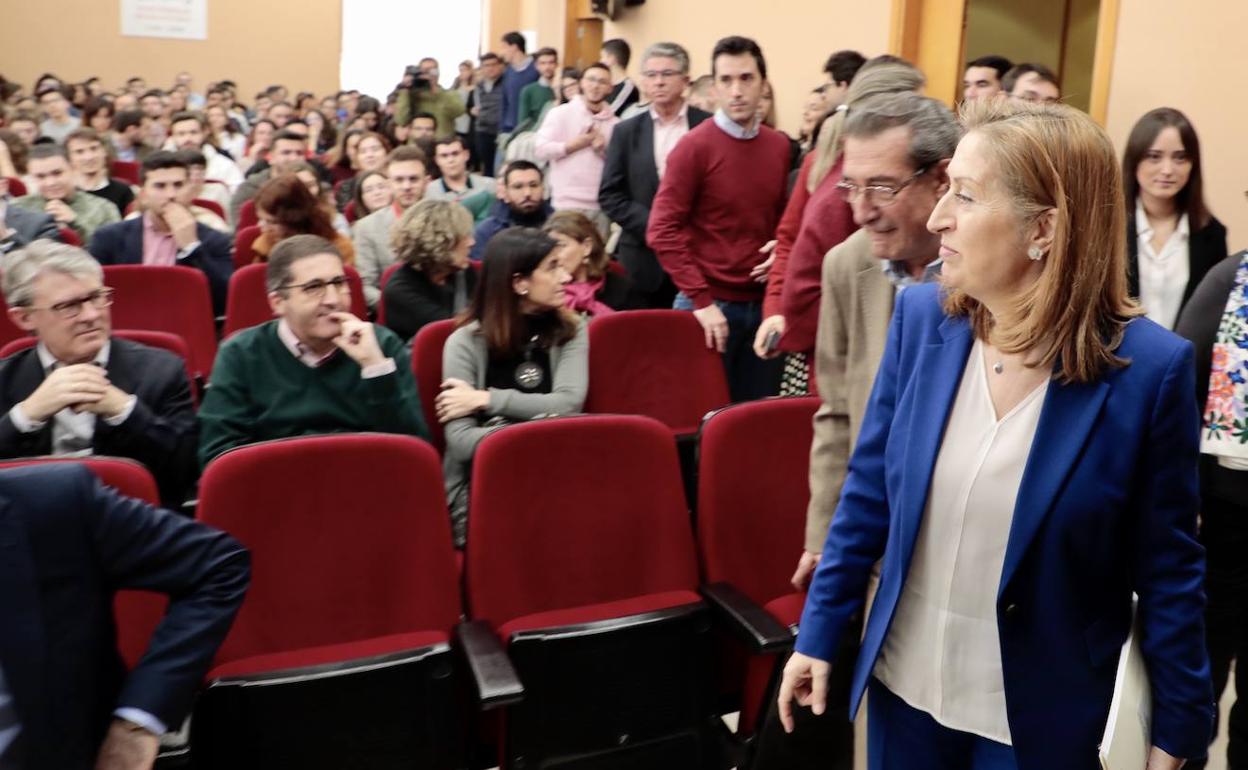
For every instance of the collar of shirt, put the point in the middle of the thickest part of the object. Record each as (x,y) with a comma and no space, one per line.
(682,115)
(1144,229)
(50,362)
(299,350)
(603,114)
(104,180)
(733,128)
(523,65)
(899,276)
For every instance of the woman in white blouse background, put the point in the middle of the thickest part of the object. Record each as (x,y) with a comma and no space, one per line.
(1172,239)
(1028,460)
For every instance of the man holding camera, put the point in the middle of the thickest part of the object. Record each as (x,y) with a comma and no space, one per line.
(419,92)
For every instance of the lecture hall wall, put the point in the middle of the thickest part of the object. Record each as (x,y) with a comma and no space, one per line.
(1191,60)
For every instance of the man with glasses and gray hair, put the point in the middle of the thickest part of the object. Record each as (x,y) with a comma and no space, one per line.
(315,368)
(636,158)
(895,153)
(79,391)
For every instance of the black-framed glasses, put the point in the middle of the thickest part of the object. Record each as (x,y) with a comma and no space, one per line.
(881,195)
(98,299)
(316,289)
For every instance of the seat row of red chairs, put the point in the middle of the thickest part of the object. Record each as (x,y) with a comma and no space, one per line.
(594,609)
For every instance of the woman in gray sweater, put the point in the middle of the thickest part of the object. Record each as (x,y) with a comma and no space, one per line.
(518,355)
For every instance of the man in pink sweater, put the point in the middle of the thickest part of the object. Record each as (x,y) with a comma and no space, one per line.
(573,137)
(719,201)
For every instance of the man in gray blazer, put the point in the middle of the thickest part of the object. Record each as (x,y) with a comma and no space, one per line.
(408,171)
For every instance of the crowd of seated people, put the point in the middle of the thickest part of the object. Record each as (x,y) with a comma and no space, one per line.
(522,204)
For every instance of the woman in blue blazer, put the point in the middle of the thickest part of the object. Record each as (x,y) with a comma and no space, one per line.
(1028,460)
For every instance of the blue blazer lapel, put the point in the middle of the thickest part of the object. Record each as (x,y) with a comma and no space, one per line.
(22,648)
(1066,421)
(132,246)
(934,382)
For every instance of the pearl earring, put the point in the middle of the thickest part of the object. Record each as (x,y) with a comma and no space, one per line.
(1035,253)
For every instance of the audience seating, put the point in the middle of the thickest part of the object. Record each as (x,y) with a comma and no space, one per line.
(17,187)
(69,236)
(212,206)
(341,655)
(427,369)
(125,170)
(654,363)
(581,558)
(171,299)
(247,215)
(348,212)
(243,238)
(9,331)
(247,303)
(753,490)
(163,340)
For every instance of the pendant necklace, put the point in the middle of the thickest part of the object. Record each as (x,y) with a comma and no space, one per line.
(528,374)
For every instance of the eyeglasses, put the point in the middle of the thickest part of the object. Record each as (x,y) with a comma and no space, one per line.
(99,299)
(880,195)
(664,74)
(316,289)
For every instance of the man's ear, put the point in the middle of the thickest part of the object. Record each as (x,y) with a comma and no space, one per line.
(940,173)
(20,317)
(277,303)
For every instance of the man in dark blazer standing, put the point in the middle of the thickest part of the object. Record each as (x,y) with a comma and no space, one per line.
(78,392)
(67,543)
(166,233)
(636,156)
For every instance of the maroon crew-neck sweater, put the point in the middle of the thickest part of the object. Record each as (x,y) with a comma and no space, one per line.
(719,202)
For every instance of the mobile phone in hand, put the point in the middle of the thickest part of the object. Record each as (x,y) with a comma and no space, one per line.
(773,339)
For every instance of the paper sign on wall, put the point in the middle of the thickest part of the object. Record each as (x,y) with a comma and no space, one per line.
(184,19)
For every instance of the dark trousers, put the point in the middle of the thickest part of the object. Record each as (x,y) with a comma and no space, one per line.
(486,144)
(1224,533)
(900,737)
(749,377)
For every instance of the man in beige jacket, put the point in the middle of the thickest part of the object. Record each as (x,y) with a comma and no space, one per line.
(895,153)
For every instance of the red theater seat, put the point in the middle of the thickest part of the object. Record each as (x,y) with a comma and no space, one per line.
(247,303)
(166,299)
(427,369)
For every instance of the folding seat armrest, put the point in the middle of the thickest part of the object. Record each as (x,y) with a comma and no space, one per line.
(753,624)
(497,682)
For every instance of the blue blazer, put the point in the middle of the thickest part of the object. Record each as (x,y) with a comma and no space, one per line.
(121,243)
(66,544)
(1107,506)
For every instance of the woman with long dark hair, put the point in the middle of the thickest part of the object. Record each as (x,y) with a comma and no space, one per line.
(518,354)
(1172,239)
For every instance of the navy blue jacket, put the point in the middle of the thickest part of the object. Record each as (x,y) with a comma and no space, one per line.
(121,243)
(501,217)
(1107,507)
(67,543)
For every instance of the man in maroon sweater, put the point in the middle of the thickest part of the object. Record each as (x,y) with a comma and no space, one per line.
(721,196)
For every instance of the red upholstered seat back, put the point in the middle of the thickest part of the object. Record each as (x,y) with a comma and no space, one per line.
(576,511)
(125,170)
(9,331)
(247,215)
(212,206)
(247,303)
(427,369)
(654,363)
(166,299)
(349,538)
(753,490)
(244,254)
(17,188)
(69,237)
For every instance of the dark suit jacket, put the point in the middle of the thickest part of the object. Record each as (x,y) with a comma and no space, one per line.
(412,300)
(629,183)
(121,243)
(66,544)
(1206,248)
(29,225)
(161,432)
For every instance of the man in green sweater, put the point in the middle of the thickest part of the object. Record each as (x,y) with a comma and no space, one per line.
(316,368)
(420,92)
(534,96)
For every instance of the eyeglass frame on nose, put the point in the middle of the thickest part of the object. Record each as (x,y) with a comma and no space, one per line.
(70,309)
(316,288)
(851,192)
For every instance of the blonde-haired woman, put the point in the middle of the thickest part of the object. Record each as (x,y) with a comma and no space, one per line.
(815,219)
(431,241)
(1027,462)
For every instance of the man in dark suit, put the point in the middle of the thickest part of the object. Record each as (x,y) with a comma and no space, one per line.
(78,392)
(167,233)
(67,543)
(636,156)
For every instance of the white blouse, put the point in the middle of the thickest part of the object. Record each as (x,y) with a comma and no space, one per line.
(1163,274)
(942,654)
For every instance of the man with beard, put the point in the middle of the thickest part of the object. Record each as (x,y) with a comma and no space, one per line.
(573,138)
(315,368)
(521,203)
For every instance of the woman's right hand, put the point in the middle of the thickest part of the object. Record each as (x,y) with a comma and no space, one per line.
(806,679)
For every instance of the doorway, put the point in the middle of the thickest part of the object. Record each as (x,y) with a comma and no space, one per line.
(582,42)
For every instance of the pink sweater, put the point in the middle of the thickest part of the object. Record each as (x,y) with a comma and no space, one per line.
(573,178)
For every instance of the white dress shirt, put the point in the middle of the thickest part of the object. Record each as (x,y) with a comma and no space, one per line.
(1163,274)
(942,654)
